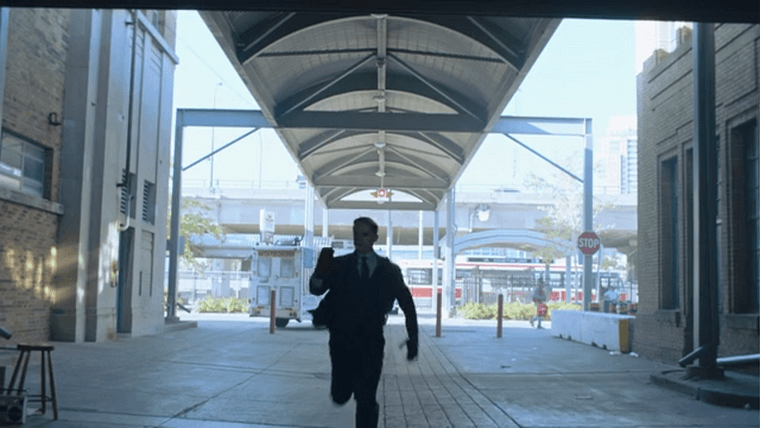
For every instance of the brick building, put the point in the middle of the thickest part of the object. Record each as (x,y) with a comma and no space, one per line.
(665,243)
(81,258)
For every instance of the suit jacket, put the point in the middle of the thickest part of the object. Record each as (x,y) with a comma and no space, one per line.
(360,306)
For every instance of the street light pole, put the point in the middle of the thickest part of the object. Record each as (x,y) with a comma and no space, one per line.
(211,159)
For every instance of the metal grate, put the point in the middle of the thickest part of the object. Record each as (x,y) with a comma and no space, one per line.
(148,202)
(124,202)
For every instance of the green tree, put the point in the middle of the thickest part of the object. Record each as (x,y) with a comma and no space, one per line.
(563,222)
(194,222)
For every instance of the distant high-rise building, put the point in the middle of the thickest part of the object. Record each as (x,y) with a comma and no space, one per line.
(617,156)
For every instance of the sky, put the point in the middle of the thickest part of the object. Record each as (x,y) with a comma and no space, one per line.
(587,69)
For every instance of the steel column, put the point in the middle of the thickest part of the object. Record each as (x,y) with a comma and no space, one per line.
(706,333)
(171,298)
(436,252)
(308,216)
(389,235)
(325,221)
(420,237)
(449,273)
(588,210)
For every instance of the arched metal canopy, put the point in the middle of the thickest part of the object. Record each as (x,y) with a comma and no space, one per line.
(368,101)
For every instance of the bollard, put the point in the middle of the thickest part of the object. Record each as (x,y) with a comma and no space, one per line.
(272,301)
(438,304)
(499,316)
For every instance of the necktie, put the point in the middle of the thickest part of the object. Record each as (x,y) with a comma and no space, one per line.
(365,268)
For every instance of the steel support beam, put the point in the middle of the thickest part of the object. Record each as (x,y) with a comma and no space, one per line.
(373,122)
(223,118)
(706,295)
(568,126)
(305,100)
(374,182)
(395,206)
(556,165)
(220,149)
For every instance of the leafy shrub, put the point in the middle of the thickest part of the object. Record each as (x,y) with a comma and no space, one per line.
(225,305)
(512,310)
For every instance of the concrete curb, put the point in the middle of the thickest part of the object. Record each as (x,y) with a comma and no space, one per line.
(734,390)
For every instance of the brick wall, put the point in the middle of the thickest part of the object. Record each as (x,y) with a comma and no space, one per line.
(664,93)
(36,59)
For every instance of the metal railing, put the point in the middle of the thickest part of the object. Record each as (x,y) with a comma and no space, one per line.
(293,184)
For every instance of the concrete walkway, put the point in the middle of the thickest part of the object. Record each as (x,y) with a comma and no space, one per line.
(230,372)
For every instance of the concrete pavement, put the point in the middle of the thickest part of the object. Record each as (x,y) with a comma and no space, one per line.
(230,372)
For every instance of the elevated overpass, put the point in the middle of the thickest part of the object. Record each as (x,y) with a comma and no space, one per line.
(236,206)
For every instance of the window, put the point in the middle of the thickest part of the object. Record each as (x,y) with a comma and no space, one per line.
(419,276)
(748,279)
(264,267)
(669,234)
(287,268)
(22,165)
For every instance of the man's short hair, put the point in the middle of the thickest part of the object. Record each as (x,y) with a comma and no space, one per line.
(368,221)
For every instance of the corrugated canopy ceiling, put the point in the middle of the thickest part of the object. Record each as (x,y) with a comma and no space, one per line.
(364,102)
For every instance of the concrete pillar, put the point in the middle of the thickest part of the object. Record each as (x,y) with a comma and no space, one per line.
(77,186)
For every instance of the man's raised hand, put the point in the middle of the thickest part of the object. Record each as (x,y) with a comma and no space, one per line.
(325,263)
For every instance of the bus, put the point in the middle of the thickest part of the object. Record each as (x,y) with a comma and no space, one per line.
(480,279)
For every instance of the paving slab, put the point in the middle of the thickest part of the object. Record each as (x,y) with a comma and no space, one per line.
(230,372)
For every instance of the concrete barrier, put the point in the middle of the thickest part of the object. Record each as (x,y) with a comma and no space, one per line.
(607,331)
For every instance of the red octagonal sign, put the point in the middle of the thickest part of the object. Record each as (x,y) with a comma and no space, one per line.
(589,243)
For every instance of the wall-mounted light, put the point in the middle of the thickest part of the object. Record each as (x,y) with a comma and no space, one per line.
(484,213)
(53,119)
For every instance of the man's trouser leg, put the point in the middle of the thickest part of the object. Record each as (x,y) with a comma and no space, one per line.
(344,368)
(365,388)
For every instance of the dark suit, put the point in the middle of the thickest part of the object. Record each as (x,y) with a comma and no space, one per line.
(357,311)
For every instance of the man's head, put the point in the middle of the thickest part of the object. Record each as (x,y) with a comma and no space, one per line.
(365,234)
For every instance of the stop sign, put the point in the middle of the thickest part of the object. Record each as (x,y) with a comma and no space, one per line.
(589,243)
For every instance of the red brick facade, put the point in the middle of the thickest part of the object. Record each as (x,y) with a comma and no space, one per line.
(36,62)
(665,134)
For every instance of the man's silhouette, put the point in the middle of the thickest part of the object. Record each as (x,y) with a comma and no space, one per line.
(361,288)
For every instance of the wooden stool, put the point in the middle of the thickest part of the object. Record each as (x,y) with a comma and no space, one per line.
(26,350)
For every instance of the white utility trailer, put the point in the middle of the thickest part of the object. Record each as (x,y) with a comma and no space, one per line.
(285,269)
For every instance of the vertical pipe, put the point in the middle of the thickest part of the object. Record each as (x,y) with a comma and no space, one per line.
(706,333)
(588,219)
(438,304)
(420,237)
(499,315)
(272,304)
(171,298)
